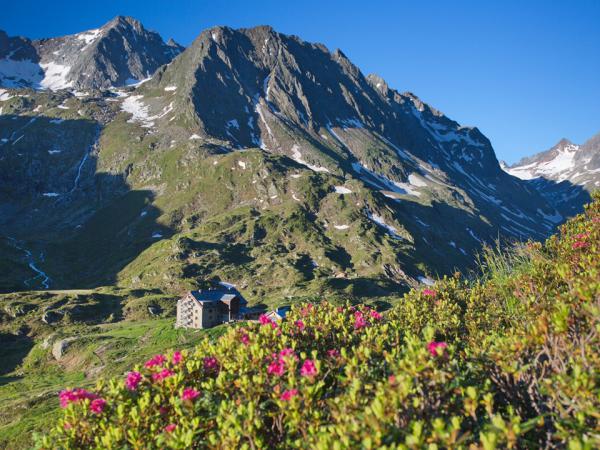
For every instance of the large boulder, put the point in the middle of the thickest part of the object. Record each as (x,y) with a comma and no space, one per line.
(61,346)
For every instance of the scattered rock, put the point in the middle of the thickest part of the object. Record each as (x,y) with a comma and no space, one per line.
(94,371)
(60,347)
(47,342)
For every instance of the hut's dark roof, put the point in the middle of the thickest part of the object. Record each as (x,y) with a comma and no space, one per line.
(217,295)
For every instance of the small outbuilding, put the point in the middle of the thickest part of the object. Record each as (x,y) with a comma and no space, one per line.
(279,313)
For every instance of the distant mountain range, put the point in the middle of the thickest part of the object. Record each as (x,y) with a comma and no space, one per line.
(251,157)
(563,174)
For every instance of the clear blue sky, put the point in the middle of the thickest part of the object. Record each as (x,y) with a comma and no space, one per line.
(527,73)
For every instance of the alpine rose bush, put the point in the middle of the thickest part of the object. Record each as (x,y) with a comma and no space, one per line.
(509,360)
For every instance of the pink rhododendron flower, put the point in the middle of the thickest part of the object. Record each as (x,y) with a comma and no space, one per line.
(132,380)
(245,339)
(211,363)
(300,325)
(157,360)
(375,315)
(392,379)
(582,236)
(308,368)
(434,346)
(287,352)
(97,405)
(170,428)
(264,320)
(276,368)
(359,320)
(579,244)
(177,358)
(286,396)
(69,396)
(429,292)
(189,394)
(163,374)
(67,426)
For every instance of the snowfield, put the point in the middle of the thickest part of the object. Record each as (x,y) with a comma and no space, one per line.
(342,190)
(559,167)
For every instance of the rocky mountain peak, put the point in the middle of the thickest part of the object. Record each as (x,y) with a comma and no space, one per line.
(564,142)
(378,83)
(119,53)
(564,173)
(125,21)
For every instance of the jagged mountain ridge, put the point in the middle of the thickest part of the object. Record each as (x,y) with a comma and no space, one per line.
(258,87)
(564,174)
(120,52)
(356,187)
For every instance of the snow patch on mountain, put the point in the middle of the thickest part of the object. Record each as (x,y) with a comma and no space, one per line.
(138,110)
(559,167)
(55,76)
(298,157)
(342,190)
(21,73)
(443,133)
(415,180)
(382,182)
(379,220)
(5,95)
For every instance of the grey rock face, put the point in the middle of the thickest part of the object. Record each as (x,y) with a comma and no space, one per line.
(119,53)
(256,87)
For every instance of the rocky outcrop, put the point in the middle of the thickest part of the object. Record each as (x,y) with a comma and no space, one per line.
(60,347)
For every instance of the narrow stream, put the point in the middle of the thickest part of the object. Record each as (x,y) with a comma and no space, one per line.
(86,154)
(79,168)
(31,262)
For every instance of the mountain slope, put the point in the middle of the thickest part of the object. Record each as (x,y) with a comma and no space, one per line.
(120,52)
(258,87)
(256,158)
